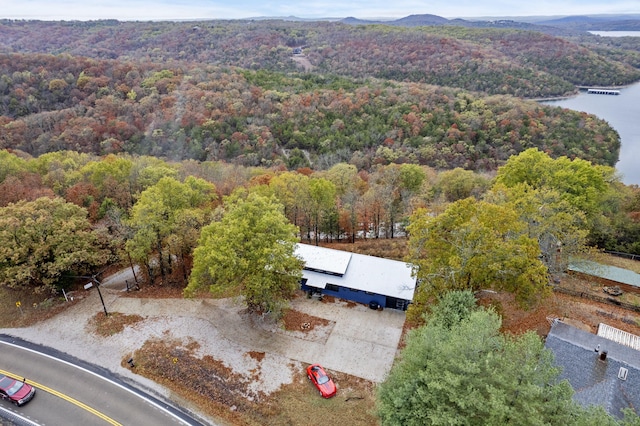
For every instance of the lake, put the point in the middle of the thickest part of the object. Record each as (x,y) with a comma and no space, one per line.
(622,112)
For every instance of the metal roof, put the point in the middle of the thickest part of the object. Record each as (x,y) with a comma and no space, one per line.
(612,273)
(365,273)
(619,336)
(323,259)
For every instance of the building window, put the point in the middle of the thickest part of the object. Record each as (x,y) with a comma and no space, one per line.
(332,287)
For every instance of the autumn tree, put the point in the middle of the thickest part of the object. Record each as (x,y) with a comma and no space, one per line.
(250,251)
(25,186)
(579,182)
(42,240)
(474,245)
(458,184)
(559,228)
(349,190)
(166,221)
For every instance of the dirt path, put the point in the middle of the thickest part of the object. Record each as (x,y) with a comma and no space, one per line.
(303,62)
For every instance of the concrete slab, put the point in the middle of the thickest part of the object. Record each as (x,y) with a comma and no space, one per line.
(358,341)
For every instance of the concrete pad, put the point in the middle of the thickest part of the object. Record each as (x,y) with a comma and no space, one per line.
(358,341)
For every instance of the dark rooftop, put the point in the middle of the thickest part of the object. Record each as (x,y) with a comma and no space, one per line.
(596,381)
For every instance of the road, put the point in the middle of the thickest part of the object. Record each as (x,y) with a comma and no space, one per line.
(72,394)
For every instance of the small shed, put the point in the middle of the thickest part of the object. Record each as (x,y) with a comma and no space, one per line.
(357,277)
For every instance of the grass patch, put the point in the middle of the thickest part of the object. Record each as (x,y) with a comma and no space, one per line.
(300,404)
(115,323)
(33,307)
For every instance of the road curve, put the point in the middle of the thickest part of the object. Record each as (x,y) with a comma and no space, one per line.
(72,392)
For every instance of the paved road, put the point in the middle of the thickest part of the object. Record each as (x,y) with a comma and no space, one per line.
(69,395)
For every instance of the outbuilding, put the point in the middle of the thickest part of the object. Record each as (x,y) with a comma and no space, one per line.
(365,279)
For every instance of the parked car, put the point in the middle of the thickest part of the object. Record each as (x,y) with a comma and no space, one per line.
(321,380)
(15,391)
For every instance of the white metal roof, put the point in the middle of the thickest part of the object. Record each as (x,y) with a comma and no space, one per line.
(365,273)
(619,336)
(323,259)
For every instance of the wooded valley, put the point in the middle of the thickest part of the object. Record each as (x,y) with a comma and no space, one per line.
(386,120)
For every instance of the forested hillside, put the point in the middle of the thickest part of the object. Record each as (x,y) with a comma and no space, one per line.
(203,151)
(204,112)
(496,61)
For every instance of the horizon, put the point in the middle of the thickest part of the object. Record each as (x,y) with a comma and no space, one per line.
(195,10)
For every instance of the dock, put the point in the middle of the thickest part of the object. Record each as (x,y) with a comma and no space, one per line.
(603,92)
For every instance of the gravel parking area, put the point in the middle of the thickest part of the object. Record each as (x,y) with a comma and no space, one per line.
(355,340)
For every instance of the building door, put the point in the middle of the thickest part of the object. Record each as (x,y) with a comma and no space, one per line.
(395,303)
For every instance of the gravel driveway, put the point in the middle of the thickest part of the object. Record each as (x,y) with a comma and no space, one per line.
(357,340)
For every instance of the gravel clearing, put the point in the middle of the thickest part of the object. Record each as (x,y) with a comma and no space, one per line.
(165,319)
(345,337)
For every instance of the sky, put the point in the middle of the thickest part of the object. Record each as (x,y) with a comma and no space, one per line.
(145,10)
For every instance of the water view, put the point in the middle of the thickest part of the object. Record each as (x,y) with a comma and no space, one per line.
(616,33)
(622,112)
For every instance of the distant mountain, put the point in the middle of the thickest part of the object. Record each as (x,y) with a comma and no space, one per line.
(596,23)
(417,20)
(575,20)
(407,21)
(435,20)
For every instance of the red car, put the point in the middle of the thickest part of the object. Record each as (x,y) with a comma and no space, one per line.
(321,380)
(15,391)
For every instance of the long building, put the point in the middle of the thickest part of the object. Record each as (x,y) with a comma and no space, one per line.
(357,277)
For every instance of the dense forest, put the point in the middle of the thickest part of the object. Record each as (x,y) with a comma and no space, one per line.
(496,61)
(441,96)
(384,120)
(198,150)
(205,112)
(120,207)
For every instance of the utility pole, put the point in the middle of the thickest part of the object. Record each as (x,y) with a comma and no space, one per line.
(98,283)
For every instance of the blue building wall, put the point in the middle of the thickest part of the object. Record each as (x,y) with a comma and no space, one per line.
(350,294)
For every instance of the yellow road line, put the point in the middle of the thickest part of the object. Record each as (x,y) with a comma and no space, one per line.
(67,398)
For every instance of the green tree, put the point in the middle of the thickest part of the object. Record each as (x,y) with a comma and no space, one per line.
(458,184)
(579,182)
(471,246)
(112,177)
(60,169)
(343,176)
(250,251)
(322,199)
(559,227)
(412,177)
(42,240)
(292,190)
(467,373)
(11,165)
(165,219)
